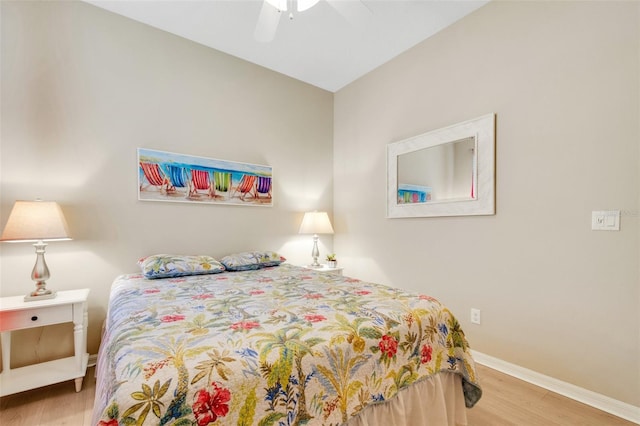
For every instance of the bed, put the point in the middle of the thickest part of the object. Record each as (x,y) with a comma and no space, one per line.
(278,345)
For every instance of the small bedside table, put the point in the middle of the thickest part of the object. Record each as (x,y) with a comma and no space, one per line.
(16,314)
(325,269)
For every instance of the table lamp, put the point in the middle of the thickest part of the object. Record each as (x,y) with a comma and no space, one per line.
(315,223)
(37,221)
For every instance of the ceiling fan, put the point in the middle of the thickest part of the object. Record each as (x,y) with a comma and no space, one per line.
(352,10)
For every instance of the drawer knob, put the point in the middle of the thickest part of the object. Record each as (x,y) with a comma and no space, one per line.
(34,318)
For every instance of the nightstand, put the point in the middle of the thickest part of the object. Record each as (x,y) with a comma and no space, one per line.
(325,269)
(16,314)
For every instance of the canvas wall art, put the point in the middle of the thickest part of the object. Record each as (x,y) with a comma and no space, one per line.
(167,176)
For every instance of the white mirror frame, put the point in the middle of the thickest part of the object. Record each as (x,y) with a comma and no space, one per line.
(483,130)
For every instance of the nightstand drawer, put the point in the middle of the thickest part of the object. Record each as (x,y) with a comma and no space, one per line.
(28,318)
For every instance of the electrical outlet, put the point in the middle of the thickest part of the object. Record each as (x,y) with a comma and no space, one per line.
(475,316)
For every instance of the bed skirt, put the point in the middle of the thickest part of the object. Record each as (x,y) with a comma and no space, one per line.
(435,401)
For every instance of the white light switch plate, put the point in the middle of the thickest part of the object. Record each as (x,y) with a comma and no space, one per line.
(605,220)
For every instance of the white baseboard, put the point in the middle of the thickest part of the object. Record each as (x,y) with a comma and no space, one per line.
(612,406)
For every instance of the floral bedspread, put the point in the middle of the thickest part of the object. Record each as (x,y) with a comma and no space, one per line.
(277,346)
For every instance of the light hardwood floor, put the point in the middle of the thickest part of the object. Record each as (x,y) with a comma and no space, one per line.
(54,405)
(505,401)
(510,401)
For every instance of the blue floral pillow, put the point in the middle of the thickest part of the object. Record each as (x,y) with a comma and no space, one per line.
(251,260)
(172,265)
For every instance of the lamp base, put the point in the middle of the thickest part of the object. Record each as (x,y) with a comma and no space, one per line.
(32,298)
(315,252)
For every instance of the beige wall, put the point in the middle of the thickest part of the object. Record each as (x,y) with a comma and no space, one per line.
(563,80)
(82,89)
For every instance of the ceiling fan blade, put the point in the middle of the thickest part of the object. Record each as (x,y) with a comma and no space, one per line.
(354,11)
(278,4)
(267,23)
(306,4)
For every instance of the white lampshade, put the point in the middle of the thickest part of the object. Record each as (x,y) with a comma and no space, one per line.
(316,223)
(35,221)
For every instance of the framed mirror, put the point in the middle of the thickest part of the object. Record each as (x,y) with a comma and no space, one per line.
(445,172)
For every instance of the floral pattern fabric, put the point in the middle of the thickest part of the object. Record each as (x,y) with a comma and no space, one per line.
(251,260)
(276,346)
(173,265)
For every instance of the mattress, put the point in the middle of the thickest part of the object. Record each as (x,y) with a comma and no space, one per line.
(281,345)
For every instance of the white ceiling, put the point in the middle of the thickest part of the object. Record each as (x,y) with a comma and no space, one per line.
(321,46)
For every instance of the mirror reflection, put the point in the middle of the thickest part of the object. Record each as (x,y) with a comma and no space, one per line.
(444,172)
(448,171)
